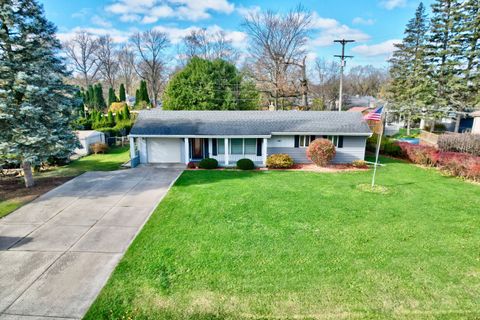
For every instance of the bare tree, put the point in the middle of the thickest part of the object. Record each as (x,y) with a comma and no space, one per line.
(81,53)
(365,80)
(210,46)
(107,59)
(328,75)
(149,46)
(126,67)
(277,48)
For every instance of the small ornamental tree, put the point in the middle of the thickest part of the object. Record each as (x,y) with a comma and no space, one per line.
(112,98)
(321,152)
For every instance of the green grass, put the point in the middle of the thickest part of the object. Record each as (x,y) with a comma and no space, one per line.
(233,245)
(112,160)
(8,206)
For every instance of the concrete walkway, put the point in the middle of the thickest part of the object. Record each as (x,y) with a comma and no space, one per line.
(57,252)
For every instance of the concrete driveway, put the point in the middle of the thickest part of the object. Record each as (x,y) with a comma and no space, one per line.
(57,252)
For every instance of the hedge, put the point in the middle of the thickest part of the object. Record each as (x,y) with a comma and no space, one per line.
(460,142)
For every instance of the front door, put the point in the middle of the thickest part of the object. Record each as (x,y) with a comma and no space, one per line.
(197,148)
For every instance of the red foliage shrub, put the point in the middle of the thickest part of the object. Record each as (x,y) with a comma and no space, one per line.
(191,165)
(423,155)
(474,172)
(321,151)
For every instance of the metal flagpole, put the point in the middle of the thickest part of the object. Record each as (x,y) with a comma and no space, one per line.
(378,149)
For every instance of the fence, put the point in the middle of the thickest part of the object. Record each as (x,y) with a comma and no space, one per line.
(428,138)
(118,141)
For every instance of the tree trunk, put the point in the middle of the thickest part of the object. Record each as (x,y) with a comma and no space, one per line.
(432,126)
(408,124)
(27,174)
(422,124)
(457,122)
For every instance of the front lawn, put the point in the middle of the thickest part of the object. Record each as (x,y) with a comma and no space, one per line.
(291,245)
(13,193)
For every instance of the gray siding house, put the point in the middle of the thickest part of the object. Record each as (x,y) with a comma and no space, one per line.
(183,136)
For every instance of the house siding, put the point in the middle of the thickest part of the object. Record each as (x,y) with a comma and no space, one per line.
(353,149)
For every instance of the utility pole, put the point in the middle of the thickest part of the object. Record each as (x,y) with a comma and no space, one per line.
(343,42)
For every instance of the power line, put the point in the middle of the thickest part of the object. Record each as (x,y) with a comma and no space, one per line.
(343,42)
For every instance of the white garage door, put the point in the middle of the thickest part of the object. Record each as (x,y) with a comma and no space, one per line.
(164,150)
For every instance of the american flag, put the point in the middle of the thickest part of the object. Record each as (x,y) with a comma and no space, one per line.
(375,115)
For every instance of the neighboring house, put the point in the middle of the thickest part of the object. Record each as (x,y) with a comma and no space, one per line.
(86,138)
(184,136)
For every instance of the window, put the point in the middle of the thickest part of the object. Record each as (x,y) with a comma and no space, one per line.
(304,141)
(336,140)
(221,146)
(236,146)
(250,146)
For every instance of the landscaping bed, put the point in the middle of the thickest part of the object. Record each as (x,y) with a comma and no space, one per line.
(294,245)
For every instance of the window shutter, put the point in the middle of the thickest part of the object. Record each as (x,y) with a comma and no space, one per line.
(340,141)
(312,138)
(205,148)
(259,147)
(297,141)
(214,147)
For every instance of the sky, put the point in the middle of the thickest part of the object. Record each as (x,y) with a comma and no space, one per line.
(374,24)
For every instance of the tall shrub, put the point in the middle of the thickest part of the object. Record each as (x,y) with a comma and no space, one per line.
(321,152)
(460,142)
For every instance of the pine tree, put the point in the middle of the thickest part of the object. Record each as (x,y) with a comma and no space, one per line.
(137,96)
(122,95)
(126,113)
(144,92)
(445,57)
(111,96)
(470,38)
(36,107)
(411,87)
(98,100)
(110,119)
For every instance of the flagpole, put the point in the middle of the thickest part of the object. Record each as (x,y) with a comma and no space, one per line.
(378,150)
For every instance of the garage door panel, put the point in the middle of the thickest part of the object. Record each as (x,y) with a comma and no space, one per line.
(164,150)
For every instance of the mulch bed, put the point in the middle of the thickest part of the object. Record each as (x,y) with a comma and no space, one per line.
(302,167)
(14,187)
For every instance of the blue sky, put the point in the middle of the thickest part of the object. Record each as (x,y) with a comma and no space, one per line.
(374,24)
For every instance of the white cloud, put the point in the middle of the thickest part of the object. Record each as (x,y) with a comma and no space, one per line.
(380,49)
(99,21)
(150,11)
(176,35)
(331,29)
(392,4)
(247,11)
(363,21)
(118,36)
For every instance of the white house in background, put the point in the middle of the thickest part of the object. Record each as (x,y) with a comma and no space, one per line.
(86,138)
(476,122)
(184,136)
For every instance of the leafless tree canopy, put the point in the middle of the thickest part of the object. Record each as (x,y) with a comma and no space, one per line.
(365,80)
(107,59)
(149,48)
(210,46)
(326,90)
(126,67)
(277,48)
(81,52)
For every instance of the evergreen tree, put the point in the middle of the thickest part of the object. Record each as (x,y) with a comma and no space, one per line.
(126,113)
(98,100)
(410,89)
(445,57)
(470,38)
(122,95)
(144,92)
(36,107)
(110,119)
(111,97)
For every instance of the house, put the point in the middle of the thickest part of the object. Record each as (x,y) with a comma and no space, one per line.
(87,138)
(183,136)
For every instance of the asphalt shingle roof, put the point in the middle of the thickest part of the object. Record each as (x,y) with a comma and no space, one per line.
(159,122)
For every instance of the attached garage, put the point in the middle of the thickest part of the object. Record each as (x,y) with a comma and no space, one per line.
(164,150)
